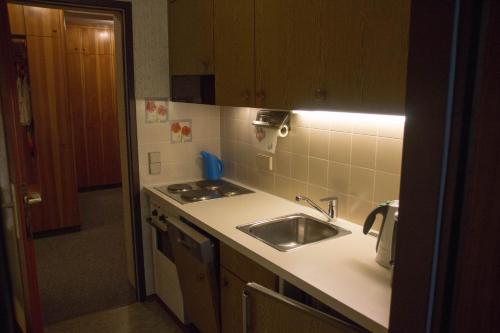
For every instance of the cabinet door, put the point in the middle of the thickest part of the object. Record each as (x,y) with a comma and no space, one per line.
(385,55)
(268,311)
(43,21)
(342,52)
(73,39)
(231,293)
(190,32)
(97,40)
(52,132)
(234,53)
(16,19)
(287,51)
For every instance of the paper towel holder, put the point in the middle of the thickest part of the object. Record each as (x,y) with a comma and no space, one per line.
(272,118)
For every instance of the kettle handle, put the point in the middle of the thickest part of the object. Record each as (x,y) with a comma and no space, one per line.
(221,168)
(370,219)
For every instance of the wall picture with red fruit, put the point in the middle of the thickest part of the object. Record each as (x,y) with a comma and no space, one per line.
(156,110)
(180,131)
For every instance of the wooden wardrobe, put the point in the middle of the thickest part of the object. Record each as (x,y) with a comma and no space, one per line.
(92,101)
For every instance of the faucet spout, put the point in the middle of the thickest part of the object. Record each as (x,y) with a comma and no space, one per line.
(329,216)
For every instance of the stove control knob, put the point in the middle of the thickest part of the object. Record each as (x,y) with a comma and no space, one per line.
(154,212)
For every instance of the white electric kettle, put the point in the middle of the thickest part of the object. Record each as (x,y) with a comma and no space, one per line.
(386,242)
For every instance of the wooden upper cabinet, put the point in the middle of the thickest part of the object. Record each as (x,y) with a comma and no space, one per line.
(16,19)
(385,54)
(89,40)
(234,53)
(43,22)
(342,54)
(287,51)
(190,26)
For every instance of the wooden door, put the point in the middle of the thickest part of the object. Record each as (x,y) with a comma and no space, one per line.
(45,22)
(109,120)
(231,293)
(287,51)
(16,19)
(190,36)
(77,107)
(385,54)
(27,311)
(234,53)
(92,89)
(53,140)
(93,120)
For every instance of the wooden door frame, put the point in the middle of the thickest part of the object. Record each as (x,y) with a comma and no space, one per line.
(125,10)
(442,68)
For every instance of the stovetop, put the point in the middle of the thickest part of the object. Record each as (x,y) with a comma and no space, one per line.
(202,190)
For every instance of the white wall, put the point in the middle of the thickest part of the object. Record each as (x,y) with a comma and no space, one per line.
(151,78)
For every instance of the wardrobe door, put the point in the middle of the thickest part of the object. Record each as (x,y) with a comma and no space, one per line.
(52,132)
(76,94)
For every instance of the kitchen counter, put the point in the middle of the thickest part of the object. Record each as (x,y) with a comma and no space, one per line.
(341,273)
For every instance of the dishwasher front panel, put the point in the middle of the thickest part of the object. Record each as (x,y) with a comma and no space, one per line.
(194,258)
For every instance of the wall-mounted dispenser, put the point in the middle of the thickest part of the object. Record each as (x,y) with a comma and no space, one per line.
(268,126)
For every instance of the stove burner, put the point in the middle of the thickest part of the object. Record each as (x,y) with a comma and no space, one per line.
(229,191)
(199,195)
(210,184)
(178,188)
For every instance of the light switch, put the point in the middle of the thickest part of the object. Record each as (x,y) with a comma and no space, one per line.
(264,162)
(154,168)
(154,157)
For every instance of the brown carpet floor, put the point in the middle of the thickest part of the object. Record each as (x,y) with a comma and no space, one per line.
(85,271)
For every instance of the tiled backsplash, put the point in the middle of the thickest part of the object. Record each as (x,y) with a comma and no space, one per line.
(357,158)
(179,161)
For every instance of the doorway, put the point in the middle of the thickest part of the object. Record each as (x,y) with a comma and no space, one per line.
(77,148)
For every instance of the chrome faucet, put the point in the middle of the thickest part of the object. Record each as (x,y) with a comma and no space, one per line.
(332,206)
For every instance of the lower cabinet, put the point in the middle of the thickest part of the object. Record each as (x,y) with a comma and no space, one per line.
(236,271)
(231,289)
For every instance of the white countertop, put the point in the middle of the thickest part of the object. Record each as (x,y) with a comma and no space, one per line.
(341,272)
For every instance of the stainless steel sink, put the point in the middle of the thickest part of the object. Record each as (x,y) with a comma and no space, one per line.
(292,231)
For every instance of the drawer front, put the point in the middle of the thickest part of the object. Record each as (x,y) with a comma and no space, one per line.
(246,269)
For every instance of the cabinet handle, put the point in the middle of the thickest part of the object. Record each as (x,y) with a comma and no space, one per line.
(246,96)
(320,94)
(225,282)
(260,97)
(205,65)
